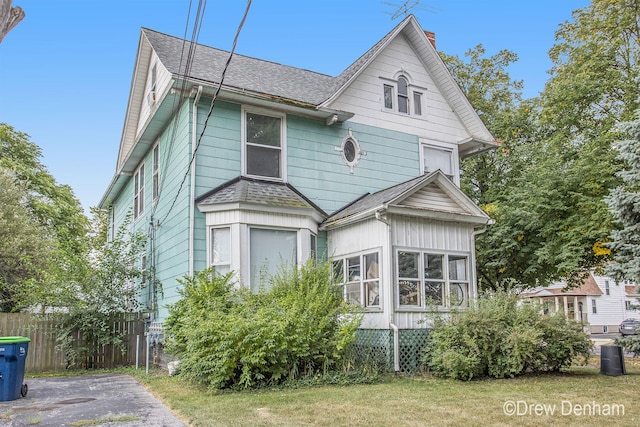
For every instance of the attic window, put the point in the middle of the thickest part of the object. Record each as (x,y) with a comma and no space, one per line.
(400,96)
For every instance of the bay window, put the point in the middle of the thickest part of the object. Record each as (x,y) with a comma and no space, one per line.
(270,250)
(220,250)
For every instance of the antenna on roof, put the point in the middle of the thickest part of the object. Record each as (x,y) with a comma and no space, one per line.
(406,7)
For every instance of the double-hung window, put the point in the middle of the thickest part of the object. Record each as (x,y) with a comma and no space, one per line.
(359,276)
(432,279)
(401,97)
(138,192)
(220,253)
(263,145)
(156,172)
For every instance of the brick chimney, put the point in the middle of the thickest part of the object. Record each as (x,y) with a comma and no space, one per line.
(432,38)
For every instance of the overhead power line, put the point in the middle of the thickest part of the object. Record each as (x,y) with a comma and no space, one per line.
(213,102)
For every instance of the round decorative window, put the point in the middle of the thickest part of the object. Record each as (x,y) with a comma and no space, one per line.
(349,150)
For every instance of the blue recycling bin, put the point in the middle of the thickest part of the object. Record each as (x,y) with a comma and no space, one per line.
(13,355)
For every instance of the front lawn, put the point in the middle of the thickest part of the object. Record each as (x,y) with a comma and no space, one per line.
(580,397)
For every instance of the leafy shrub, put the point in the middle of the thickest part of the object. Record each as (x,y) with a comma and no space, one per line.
(631,343)
(225,336)
(503,337)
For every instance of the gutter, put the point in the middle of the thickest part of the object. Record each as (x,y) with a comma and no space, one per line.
(192,195)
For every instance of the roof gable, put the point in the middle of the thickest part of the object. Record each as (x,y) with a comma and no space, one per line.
(432,195)
(410,30)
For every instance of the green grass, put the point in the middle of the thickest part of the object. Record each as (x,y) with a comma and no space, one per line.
(416,401)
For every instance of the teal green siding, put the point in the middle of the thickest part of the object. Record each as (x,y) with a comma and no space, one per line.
(314,167)
(317,170)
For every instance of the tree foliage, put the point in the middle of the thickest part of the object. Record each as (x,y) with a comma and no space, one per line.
(53,207)
(624,202)
(25,246)
(101,291)
(545,185)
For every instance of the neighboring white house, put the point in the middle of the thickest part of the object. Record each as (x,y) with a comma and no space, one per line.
(600,303)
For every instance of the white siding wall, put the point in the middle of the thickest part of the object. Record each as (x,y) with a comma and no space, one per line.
(611,308)
(163,80)
(365,97)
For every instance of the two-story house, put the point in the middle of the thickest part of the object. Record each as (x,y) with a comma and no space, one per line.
(599,302)
(362,169)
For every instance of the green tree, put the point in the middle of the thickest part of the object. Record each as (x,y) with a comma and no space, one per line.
(52,206)
(102,289)
(624,202)
(545,186)
(24,244)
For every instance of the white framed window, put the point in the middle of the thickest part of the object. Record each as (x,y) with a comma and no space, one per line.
(426,278)
(143,270)
(417,103)
(438,155)
(607,290)
(220,249)
(138,192)
(263,136)
(156,172)
(270,250)
(153,82)
(594,308)
(359,276)
(401,97)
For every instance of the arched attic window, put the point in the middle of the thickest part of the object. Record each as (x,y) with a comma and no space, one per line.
(403,95)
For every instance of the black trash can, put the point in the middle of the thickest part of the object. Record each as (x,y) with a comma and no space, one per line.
(13,355)
(612,360)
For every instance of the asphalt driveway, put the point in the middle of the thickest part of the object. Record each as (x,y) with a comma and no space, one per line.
(114,400)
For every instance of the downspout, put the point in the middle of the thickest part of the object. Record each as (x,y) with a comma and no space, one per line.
(392,316)
(474,233)
(192,196)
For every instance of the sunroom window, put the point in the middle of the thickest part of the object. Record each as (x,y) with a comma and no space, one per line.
(263,145)
(430,279)
(359,276)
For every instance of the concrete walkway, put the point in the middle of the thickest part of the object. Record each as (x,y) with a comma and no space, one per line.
(117,400)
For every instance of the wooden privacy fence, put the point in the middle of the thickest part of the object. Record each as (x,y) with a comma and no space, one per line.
(43,355)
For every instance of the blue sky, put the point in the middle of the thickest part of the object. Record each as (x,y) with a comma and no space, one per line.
(66,68)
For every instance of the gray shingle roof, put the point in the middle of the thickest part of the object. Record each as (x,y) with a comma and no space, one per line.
(267,193)
(371,201)
(254,75)
(245,73)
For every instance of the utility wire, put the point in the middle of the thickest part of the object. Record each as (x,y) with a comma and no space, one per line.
(213,102)
(178,102)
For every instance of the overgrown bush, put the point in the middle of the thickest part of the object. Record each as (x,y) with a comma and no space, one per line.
(225,336)
(630,343)
(503,336)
